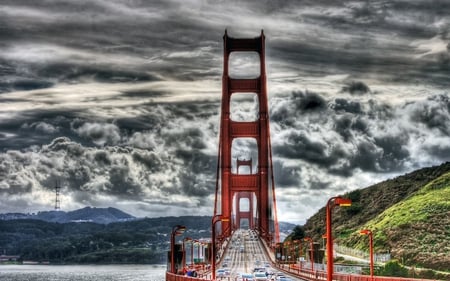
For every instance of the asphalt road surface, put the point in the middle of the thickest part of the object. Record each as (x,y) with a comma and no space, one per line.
(245,260)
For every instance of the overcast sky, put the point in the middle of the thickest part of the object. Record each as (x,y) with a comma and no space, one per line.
(119,100)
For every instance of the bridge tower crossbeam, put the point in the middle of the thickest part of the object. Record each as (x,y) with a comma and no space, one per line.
(254,184)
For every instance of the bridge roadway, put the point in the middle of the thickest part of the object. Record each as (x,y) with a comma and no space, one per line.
(244,253)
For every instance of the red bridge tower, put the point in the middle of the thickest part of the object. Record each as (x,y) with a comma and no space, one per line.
(256,184)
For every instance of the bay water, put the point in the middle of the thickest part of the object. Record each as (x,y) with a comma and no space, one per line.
(82,272)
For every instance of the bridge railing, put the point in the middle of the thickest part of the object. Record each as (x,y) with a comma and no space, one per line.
(179,277)
(320,275)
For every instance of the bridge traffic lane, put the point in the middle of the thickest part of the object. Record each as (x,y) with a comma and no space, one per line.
(245,258)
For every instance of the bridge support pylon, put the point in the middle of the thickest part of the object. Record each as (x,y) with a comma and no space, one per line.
(256,183)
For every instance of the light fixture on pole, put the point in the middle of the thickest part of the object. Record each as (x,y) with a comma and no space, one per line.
(333,201)
(311,246)
(184,250)
(176,230)
(370,234)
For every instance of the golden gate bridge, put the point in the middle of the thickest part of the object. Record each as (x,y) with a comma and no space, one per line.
(230,247)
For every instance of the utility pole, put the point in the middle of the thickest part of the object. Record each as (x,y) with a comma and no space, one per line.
(57,201)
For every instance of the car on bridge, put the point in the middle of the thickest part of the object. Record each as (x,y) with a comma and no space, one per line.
(221,273)
(260,276)
(277,276)
(245,277)
(259,269)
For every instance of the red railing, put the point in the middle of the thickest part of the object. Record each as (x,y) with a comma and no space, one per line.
(306,275)
(177,277)
(320,275)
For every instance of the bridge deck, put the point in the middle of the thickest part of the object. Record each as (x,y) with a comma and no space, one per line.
(245,251)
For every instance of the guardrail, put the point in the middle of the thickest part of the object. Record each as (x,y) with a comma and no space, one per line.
(304,274)
(320,275)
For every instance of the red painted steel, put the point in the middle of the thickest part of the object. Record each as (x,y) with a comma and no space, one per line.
(249,185)
(233,184)
(318,275)
(240,214)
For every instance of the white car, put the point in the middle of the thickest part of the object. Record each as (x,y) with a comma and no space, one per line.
(220,273)
(260,276)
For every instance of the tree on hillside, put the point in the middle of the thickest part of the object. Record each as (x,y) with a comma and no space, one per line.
(298,233)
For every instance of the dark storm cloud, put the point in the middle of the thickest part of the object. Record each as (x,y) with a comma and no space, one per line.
(347,106)
(308,101)
(121,182)
(100,134)
(285,175)
(197,161)
(356,88)
(299,146)
(90,45)
(145,122)
(142,135)
(65,72)
(395,153)
(347,126)
(188,137)
(151,160)
(24,85)
(374,37)
(192,185)
(106,171)
(299,103)
(367,138)
(367,156)
(144,94)
(439,151)
(35,127)
(319,185)
(434,114)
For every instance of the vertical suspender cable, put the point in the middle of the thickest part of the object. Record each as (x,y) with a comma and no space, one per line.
(219,156)
(277,228)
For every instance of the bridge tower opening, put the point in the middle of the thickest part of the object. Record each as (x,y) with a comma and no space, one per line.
(258,185)
(244,201)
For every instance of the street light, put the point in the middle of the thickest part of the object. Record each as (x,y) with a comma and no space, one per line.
(176,230)
(197,243)
(333,201)
(287,246)
(184,250)
(311,246)
(370,234)
(296,249)
(214,220)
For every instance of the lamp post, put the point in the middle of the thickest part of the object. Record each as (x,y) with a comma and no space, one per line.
(296,249)
(196,243)
(287,246)
(311,247)
(370,234)
(333,201)
(176,230)
(214,220)
(184,250)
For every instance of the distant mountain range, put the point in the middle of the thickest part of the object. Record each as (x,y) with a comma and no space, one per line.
(87,214)
(98,215)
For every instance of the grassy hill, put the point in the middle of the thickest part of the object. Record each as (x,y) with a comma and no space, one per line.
(417,229)
(409,215)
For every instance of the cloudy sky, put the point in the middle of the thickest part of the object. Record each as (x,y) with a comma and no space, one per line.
(119,100)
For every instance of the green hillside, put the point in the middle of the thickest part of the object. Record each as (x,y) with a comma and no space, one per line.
(409,215)
(415,230)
